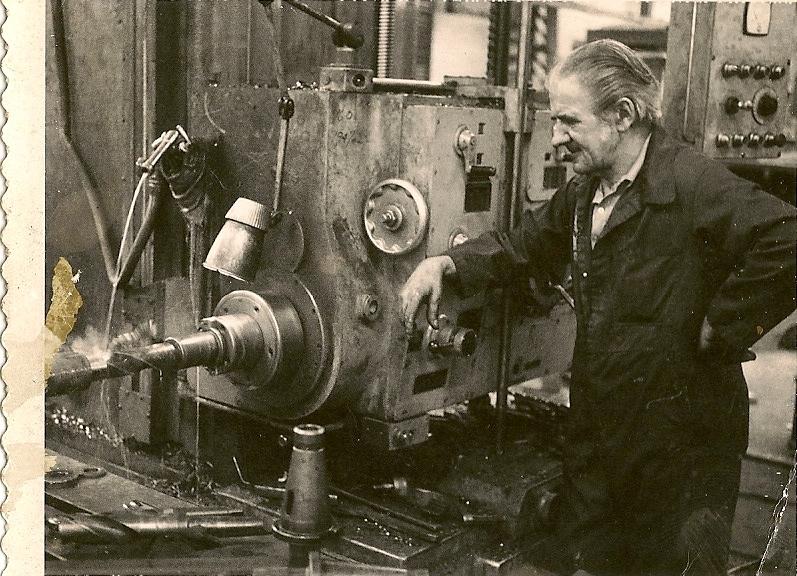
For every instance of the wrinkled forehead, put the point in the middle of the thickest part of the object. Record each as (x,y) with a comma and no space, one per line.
(569,96)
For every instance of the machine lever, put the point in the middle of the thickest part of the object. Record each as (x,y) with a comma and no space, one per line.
(345,34)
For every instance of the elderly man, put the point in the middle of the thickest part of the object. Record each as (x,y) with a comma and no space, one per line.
(678,267)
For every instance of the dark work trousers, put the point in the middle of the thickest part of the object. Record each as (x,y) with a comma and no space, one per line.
(674,517)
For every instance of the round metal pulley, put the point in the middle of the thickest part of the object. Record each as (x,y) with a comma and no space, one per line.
(396,216)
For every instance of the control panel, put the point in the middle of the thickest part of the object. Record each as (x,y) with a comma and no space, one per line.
(737,98)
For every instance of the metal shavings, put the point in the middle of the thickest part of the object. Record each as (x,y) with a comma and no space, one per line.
(77,425)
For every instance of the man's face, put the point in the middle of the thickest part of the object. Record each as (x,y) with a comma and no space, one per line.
(590,140)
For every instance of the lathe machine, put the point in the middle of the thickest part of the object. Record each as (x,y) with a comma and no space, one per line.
(331,193)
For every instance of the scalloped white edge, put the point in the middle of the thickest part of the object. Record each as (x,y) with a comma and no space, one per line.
(22,24)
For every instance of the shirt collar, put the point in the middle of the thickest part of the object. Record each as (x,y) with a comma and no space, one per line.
(605,189)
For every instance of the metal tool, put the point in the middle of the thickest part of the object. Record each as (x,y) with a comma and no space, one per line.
(63,478)
(565,295)
(127,525)
(393,511)
(159,147)
(436,503)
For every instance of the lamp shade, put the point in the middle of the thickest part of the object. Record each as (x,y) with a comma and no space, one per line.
(236,251)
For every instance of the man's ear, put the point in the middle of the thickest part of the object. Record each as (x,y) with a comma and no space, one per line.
(625,114)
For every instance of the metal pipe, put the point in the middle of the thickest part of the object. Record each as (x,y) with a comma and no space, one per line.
(688,95)
(407,85)
(142,237)
(65,122)
(505,346)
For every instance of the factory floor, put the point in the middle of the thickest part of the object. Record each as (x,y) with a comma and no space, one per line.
(764,528)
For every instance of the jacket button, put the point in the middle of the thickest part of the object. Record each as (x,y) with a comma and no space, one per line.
(584,274)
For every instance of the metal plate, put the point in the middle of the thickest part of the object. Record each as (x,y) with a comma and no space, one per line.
(283,243)
(293,396)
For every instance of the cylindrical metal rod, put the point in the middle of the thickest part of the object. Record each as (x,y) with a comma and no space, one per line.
(344,32)
(140,242)
(384,49)
(72,372)
(408,85)
(502,387)
(124,527)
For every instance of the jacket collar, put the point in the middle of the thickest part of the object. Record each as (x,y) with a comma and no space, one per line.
(653,185)
(656,175)
(655,179)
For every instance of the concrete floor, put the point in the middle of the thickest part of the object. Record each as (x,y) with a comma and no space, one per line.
(764,526)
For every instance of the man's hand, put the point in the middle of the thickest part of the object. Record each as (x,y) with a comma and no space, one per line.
(708,340)
(425,283)
(710,343)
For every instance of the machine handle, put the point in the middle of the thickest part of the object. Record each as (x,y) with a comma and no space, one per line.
(345,34)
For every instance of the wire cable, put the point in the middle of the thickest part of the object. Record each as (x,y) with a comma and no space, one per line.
(119,259)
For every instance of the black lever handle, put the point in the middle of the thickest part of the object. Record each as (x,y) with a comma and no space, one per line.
(345,34)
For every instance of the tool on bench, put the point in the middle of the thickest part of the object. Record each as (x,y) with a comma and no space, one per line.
(118,527)
(64,478)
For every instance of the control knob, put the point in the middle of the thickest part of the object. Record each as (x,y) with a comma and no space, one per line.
(733,105)
(777,72)
(760,71)
(738,140)
(449,339)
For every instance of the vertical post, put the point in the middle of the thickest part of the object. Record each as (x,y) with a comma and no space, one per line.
(514,204)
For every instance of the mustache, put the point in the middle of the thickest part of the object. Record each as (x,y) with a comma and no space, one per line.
(566,153)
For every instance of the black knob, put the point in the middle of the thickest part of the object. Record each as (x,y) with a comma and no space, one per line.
(729,70)
(738,140)
(732,105)
(767,105)
(753,140)
(777,72)
(780,139)
(769,139)
(760,71)
(723,140)
(744,70)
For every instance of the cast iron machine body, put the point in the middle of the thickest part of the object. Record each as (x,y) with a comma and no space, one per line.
(374,182)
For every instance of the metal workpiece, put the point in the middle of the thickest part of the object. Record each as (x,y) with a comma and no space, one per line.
(127,526)
(72,372)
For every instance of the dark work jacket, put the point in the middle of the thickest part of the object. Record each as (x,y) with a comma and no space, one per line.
(687,241)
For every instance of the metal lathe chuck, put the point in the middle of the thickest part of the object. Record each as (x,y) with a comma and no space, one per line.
(254,339)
